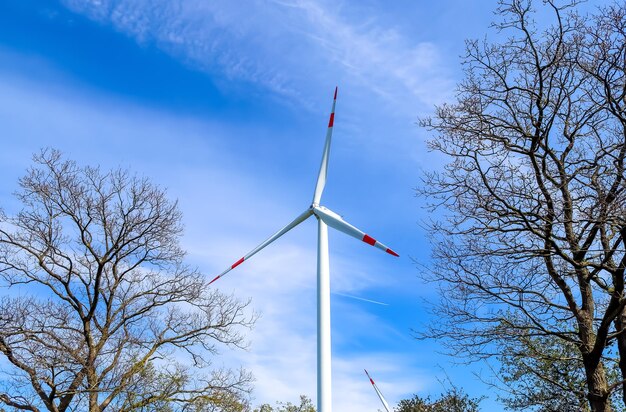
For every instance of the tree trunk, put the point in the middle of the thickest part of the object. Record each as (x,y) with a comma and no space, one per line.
(620,323)
(92,382)
(598,395)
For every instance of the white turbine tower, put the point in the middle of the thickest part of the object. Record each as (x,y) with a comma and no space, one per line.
(325,217)
(378,392)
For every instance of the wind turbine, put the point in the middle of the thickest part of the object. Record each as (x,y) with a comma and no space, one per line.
(380,395)
(325,218)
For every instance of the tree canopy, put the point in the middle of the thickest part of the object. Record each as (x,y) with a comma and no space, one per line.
(532,239)
(103,313)
(453,400)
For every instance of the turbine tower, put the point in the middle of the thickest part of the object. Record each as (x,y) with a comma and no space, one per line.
(378,392)
(325,218)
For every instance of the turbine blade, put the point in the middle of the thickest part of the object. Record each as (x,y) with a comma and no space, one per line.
(336,222)
(321,177)
(267,241)
(380,395)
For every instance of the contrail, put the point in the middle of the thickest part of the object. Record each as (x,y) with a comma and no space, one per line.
(363,299)
(325,218)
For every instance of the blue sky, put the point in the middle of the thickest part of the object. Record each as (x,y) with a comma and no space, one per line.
(226,103)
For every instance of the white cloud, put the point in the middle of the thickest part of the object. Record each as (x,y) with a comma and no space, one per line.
(216,196)
(380,58)
(295,49)
(289,46)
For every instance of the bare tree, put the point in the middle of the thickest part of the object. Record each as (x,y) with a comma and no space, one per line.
(531,240)
(604,60)
(101,312)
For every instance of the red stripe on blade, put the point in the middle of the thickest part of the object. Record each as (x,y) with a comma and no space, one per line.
(371,380)
(216,278)
(391,252)
(237,263)
(369,240)
(332,120)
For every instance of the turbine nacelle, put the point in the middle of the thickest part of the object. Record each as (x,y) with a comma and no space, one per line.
(326,217)
(335,221)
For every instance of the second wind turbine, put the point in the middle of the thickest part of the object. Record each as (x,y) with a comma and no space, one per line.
(325,218)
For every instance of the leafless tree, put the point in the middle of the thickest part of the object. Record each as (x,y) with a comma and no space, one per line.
(101,313)
(531,235)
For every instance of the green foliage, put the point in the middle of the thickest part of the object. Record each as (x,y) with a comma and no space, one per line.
(453,400)
(306,405)
(161,389)
(546,373)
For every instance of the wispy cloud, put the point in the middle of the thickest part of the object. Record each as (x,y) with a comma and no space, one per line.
(215,195)
(286,46)
(361,299)
(380,58)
